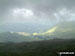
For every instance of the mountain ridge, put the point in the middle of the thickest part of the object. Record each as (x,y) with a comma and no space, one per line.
(63,30)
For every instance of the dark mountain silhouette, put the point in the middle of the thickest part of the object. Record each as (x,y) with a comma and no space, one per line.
(37,48)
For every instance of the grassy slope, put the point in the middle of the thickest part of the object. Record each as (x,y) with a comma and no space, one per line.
(38,48)
(65,30)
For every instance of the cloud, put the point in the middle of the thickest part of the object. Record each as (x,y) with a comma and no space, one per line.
(22,13)
(53,10)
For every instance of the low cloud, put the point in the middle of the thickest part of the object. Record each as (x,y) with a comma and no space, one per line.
(53,10)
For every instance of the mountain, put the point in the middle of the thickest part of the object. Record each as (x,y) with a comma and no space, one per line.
(14,37)
(38,48)
(62,30)
(18,37)
(65,30)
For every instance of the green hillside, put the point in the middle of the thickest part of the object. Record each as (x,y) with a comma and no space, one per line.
(65,30)
(38,48)
(14,37)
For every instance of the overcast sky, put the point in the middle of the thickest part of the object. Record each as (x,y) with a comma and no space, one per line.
(38,11)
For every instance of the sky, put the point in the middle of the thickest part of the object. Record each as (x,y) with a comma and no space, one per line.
(36,11)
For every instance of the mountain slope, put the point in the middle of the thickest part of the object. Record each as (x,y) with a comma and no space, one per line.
(18,37)
(14,37)
(37,48)
(64,30)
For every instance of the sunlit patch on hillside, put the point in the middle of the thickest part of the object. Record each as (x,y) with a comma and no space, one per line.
(35,34)
(51,30)
(21,33)
(47,32)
